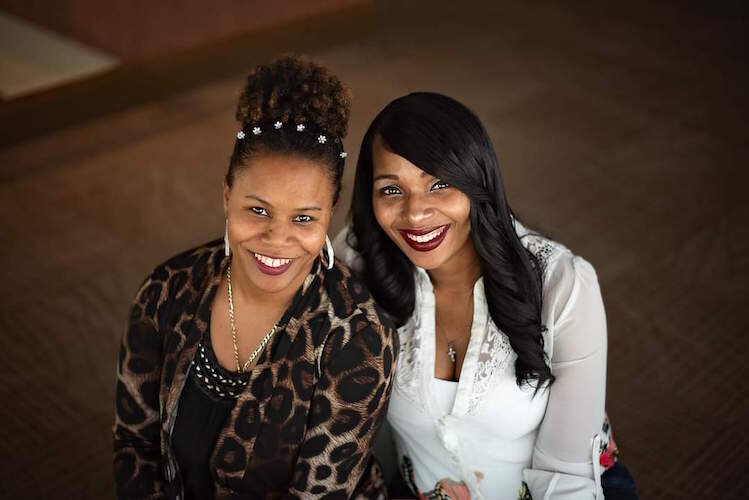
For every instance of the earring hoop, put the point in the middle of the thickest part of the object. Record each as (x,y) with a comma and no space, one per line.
(331,254)
(227,248)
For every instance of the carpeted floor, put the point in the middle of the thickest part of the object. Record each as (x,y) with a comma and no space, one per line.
(622,132)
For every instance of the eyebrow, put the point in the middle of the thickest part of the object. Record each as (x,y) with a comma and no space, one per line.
(261,200)
(395,177)
(386,176)
(266,202)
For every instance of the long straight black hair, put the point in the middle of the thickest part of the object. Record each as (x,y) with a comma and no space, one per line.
(445,139)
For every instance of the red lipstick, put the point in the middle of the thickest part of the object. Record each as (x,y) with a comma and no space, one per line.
(424,246)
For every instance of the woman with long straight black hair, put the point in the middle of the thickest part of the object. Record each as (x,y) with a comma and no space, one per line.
(500,387)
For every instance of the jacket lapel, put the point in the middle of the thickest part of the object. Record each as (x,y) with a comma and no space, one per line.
(186,336)
(234,450)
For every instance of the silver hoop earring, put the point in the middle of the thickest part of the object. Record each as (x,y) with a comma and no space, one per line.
(331,255)
(227,249)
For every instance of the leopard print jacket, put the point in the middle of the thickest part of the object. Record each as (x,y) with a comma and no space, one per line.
(304,424)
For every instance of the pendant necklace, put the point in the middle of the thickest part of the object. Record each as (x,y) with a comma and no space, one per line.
(451,352)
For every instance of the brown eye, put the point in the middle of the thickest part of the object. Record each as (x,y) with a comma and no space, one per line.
(259,211)
(439,185)
(303,218)
(390,190)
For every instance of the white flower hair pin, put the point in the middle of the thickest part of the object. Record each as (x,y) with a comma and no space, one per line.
(300,127)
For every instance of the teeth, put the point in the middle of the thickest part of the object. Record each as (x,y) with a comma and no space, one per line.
(426,237)
(271,262)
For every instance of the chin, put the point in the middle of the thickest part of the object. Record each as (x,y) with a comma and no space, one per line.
(425,260)
(271,285)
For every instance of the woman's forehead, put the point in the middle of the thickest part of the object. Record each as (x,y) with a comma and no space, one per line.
(285,181)
(387,164)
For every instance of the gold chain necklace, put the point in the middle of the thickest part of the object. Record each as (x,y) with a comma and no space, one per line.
(263,342)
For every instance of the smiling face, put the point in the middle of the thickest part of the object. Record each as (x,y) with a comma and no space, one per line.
(427,218)
(278,211)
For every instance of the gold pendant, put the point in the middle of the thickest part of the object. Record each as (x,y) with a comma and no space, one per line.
(451,352)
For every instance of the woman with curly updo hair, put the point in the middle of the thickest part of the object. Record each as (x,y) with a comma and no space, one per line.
(256,366)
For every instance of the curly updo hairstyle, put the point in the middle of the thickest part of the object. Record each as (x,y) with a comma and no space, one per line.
(294,92)
(445,139)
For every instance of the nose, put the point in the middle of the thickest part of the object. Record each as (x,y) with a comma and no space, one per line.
(417,209)
(275,232)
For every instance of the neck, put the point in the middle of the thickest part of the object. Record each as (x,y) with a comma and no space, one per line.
(244,291)
(459,273)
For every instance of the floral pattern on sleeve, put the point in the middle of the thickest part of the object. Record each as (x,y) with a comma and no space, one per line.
(609,455)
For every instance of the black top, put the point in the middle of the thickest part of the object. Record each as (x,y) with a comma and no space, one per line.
(209,395)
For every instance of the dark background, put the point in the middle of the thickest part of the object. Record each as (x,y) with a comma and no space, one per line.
(621,131)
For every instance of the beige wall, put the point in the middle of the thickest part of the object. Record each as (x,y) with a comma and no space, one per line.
(142,29)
